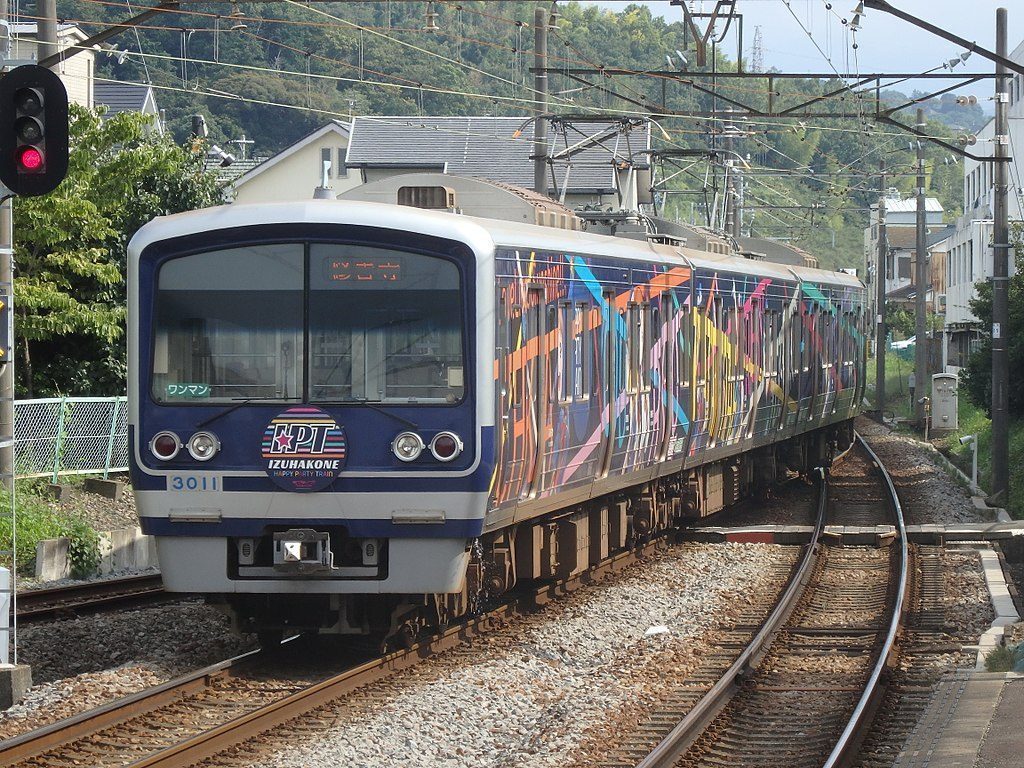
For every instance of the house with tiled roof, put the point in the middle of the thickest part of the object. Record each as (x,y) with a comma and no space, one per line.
(585,168)
(117,97)
(296,171)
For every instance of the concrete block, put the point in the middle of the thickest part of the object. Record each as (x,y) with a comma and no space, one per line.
(111,489)
(123,554)
(52,559)
(126,549)
(59,492)
(15,680)
(144,550)
(106,548)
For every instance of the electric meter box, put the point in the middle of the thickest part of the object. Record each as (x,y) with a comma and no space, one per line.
(944,402)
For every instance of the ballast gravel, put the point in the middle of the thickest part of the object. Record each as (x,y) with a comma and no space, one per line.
(929,496)
(81,663)
(530,693)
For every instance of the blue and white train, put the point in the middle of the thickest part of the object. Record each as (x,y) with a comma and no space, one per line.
(356,417)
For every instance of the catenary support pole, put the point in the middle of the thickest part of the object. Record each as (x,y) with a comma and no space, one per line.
(46,32)
(1000,281)
(540,99)
(880,268)
(921,377)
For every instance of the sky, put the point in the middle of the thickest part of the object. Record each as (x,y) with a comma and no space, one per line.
(884,42)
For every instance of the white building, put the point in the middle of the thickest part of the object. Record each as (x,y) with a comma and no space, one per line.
(294,172)
(970,247)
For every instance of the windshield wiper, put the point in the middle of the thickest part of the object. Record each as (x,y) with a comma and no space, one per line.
(378,409)
(236,406)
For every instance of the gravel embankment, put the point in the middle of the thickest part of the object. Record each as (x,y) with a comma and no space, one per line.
(927,493)
(82,663)
(104,514)
(530,694)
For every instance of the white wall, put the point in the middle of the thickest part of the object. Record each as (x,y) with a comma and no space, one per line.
(296,176)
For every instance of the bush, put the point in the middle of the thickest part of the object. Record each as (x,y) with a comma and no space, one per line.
(38,521)
(1004,658)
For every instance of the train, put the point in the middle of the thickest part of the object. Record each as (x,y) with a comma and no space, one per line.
(365,418)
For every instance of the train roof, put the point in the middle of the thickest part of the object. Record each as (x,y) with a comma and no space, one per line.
(481,234)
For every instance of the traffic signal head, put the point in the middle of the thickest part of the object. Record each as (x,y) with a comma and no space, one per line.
(33,130)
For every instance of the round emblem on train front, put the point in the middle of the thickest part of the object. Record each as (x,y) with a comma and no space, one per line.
(304,449)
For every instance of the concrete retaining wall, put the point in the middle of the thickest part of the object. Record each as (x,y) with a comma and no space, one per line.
(124,549)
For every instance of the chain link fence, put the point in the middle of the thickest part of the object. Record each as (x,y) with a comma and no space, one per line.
(70,435)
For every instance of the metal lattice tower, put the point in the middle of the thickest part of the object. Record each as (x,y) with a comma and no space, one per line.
(757,52)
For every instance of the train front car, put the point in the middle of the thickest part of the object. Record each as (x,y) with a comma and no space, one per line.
(310,438)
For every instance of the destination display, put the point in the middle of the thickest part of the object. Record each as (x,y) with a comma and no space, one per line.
(362,270)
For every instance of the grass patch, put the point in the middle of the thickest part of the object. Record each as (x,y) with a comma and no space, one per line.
(972,421)
(1003,658)
(897,388)
(38,520)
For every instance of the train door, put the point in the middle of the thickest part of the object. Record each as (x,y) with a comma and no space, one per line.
(609,352)
(534,389)
(662,324)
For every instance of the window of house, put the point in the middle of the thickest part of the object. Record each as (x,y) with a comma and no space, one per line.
(325,157)
(341,172)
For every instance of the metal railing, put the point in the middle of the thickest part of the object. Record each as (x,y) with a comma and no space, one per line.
(70,435)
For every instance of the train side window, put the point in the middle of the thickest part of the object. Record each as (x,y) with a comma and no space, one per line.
(646,339)
(683,328)
(516,328)
(551,330)
(581,353)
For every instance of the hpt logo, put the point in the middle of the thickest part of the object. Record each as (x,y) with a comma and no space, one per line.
(304,449)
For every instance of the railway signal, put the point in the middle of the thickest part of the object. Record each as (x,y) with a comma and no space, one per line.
(33,130)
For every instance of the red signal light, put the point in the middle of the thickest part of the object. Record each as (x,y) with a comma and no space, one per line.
(30,160)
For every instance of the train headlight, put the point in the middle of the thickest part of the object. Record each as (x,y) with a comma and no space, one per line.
(203,446)
(407,446)
(165,445)
(446,446)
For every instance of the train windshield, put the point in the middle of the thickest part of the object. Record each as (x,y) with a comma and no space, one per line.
(322,323)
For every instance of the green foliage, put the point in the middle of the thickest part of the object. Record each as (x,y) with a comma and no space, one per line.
(70,249)
(901,320)
(36,521)
(1001,659)
(977,378)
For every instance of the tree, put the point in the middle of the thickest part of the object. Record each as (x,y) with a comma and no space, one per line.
(978,376)
(69,250)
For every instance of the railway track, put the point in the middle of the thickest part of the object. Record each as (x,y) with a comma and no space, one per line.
(801,691)
(208,712)
(205,713)
(36,605)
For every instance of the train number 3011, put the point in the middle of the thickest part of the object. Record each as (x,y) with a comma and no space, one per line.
(193,483)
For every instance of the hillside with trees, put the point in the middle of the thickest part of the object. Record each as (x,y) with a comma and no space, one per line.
(293,67)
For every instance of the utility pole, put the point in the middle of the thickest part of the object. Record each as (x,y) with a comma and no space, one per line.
(921,280)
(46,29)
(7,287)
(728,165)
(540,100)
(880,330)
(1000,281)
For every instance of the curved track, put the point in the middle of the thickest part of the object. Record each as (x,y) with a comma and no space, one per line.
(802,692)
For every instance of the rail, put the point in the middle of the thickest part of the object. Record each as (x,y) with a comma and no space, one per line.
(854,729)
(686,732)
(91,597)
(220,736)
